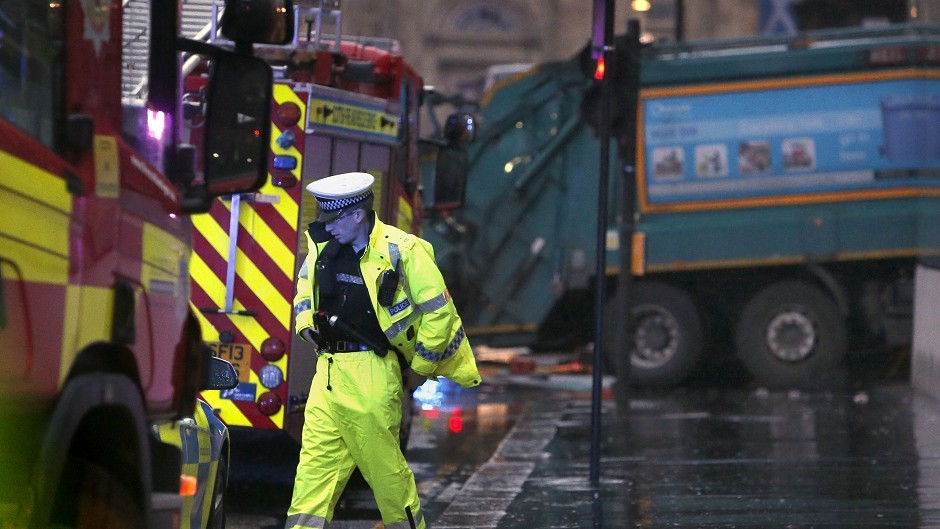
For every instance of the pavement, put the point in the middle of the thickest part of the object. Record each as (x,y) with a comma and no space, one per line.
(853,457)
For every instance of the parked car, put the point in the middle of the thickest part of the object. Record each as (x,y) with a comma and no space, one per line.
(203,440)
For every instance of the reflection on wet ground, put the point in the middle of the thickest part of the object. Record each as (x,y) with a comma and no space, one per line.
(740,458)
(453,432)
(515,454)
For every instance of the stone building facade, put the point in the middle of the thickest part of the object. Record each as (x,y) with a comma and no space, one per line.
(453,42)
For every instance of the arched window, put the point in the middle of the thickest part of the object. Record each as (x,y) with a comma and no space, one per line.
(486,18)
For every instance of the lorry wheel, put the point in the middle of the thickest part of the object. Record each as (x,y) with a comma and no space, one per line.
(791,335)
(667,335)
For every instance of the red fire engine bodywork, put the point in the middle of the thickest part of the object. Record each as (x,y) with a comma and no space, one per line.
(97,339)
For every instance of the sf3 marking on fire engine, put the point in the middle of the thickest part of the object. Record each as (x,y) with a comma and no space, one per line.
(238,354)
(355,118)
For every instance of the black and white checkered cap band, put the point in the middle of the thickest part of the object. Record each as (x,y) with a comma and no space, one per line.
(340,203)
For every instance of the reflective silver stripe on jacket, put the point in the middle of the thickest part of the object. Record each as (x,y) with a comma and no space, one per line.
(394,254)
(437,302)
(303,270)
(305,521)
(430,305)
(347,278)
(437,356)
(399,326)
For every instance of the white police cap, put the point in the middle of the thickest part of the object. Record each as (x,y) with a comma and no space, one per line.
(337,193)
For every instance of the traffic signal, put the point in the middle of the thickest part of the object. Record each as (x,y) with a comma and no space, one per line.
(621,71)
(600,69)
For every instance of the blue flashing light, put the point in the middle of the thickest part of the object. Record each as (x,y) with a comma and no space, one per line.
(286,140)
(284,161)
(271,376)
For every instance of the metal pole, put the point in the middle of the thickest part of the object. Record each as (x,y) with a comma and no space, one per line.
(234,215)
(601,242)
(680,20)
(628,71)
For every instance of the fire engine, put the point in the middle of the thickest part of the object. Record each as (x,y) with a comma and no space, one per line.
(340,105)
(98,345)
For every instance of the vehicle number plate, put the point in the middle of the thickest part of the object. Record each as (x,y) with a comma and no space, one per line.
(239,354)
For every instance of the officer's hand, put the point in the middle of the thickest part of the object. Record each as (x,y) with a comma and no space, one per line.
(414,380)
(310,336)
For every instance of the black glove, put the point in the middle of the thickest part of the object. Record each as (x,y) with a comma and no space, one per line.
(413,380)
(311,336)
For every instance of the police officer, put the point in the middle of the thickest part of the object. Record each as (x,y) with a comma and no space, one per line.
(370,297)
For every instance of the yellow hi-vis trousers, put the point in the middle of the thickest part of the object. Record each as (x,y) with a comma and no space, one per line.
(352,418)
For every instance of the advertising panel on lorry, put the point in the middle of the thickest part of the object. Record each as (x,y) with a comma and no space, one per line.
(793,138)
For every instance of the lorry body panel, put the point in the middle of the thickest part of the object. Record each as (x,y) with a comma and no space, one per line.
(757,161)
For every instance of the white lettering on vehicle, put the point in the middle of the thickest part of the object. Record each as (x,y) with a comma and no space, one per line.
(155,178)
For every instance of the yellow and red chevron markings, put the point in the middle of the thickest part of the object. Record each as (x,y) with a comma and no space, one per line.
(265,264)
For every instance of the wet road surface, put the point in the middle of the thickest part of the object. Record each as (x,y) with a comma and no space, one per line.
(515,454)
(454,432)
(743,459)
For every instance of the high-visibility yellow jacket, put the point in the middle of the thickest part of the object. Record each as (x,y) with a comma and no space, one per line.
(422,322)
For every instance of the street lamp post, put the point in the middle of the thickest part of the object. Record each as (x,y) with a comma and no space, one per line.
(601,51)
(680,20)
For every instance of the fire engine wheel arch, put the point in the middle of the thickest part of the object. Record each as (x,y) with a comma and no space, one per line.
(668,335)
(97,499)
(79,463)
(104,357)
(791,334)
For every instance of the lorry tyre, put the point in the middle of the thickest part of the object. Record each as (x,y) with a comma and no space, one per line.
(791,335)
(668,335)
